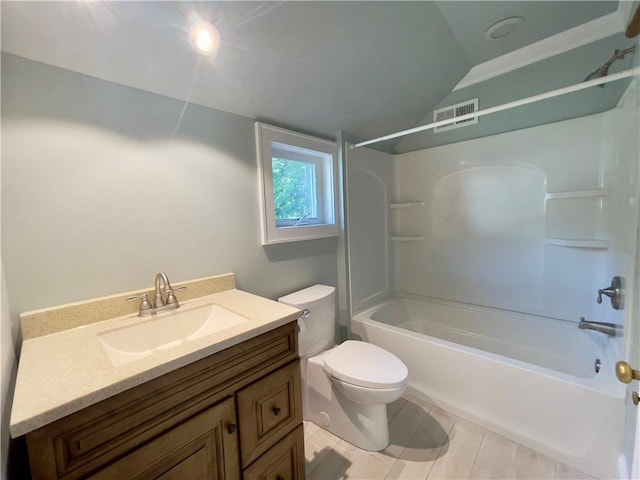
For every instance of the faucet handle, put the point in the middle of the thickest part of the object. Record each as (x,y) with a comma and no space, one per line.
(171,298)
(609,292)
(145,305)
(614,292)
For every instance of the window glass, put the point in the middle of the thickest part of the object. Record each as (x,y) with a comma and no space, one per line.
(294,191)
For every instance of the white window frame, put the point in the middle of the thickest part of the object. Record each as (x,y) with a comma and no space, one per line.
(273,141)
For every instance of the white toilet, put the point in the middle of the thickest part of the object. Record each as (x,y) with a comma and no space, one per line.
(346,388)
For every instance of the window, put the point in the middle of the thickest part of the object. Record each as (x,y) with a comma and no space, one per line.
(296,179)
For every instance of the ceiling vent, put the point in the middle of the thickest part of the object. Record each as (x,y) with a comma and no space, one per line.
(453,111)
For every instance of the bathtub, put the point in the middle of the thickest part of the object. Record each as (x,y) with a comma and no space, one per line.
(531,379)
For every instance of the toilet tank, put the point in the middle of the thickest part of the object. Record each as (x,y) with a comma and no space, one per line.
(317,327)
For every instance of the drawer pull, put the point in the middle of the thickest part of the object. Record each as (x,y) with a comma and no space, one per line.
(279,477)
(276,411)
(232,427)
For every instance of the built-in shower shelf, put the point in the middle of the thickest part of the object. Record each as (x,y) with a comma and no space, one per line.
(578,243)
(406,204)
(599,192)
(406,238)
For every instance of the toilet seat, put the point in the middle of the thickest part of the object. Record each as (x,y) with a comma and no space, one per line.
(365,365)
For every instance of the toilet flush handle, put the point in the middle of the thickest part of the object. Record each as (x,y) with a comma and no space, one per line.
(305,313)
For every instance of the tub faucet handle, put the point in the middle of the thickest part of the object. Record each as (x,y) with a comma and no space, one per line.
(609,292)
(614,292)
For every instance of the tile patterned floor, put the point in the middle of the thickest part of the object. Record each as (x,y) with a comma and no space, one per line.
(428,443)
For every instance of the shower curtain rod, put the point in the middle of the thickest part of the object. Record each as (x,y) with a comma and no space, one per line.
(506,106)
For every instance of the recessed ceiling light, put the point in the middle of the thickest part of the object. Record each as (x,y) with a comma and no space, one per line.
(204,37)
(503,28)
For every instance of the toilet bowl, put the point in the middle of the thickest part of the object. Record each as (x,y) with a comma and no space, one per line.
(366,373)
(346,387)
(367,395)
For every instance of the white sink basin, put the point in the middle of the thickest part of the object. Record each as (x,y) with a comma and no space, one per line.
(165,331)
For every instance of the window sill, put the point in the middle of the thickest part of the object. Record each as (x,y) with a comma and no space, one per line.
(300,233)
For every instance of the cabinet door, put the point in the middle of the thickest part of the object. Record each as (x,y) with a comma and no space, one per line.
(285,460)
(203,447)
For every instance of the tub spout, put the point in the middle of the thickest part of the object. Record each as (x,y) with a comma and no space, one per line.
(610,329)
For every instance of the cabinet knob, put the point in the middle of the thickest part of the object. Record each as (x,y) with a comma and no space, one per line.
(276,411)
(279,477)
(232,427)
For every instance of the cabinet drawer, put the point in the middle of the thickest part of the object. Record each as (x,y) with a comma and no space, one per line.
(269,409)
(285,461)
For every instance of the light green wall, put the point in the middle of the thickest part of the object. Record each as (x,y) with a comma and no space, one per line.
(8,374)
(99,193)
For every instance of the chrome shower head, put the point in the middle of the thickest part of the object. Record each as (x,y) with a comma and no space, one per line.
(603,71)
(599,73)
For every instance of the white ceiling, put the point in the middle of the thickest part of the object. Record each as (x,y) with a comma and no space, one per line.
(367,68)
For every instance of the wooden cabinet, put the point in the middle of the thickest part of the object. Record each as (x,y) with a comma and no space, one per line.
(269,409)
(233,410)
(285,461)
(200,448)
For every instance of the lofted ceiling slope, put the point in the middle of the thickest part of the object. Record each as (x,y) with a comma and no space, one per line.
(542,19)
(366,68)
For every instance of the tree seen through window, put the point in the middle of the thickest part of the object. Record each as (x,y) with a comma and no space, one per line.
(294,189)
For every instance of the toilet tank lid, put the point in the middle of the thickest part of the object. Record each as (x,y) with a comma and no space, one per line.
(307,296)
(366,365)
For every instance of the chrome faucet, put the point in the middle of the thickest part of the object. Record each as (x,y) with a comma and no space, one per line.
(610,329)
(161,303)
(161,284)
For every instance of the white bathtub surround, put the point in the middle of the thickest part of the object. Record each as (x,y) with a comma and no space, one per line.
(534,220)
(524,377)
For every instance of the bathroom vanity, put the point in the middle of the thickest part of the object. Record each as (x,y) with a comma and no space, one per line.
(234,412)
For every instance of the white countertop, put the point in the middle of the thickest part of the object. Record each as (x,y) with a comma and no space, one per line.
(64,372)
